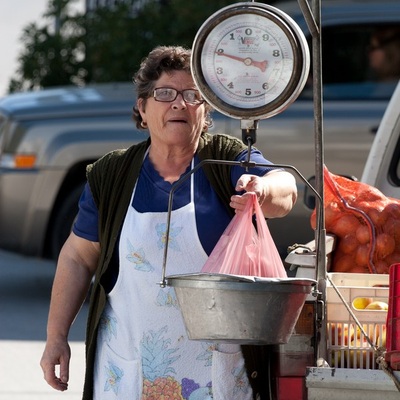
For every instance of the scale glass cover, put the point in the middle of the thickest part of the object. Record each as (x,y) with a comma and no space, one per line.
(250,60)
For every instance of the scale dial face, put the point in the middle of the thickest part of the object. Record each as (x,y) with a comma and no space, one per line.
(250,60)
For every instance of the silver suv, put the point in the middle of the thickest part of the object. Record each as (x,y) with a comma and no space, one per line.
(47,138)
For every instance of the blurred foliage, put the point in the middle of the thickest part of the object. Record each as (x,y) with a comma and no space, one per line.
(104,45)
(51,53)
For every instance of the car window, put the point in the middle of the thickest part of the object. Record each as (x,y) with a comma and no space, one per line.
(360,62)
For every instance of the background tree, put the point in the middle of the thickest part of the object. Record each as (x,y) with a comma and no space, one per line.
(104,45)
(116,41)
(111,44)
(51,53)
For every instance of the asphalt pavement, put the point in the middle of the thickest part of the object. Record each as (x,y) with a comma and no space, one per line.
(25,286)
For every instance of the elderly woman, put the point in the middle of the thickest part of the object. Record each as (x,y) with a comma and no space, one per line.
(137,347)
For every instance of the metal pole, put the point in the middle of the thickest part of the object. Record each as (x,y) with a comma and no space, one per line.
(313,20)
(319,175)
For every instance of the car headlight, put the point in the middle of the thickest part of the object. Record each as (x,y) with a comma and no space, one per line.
(18,161)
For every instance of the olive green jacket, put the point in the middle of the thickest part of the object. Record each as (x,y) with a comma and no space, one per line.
(111,180)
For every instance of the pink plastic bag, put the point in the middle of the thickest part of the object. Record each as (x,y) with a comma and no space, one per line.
(242,250)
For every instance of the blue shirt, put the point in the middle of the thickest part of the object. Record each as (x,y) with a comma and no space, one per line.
(152,194)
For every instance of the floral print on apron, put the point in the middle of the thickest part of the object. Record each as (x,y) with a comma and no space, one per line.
(143,352)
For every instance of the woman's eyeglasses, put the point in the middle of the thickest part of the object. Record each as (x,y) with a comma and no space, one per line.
(190,96)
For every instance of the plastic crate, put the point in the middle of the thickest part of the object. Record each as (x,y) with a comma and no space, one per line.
(347,345)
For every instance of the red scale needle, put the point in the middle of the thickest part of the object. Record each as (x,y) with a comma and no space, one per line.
(262,65)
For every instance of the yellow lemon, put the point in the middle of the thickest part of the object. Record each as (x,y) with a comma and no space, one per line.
(377,305)
(360,303)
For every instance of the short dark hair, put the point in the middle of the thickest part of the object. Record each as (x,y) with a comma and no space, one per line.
(161,59)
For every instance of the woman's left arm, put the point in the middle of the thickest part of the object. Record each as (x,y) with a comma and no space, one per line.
(276,192)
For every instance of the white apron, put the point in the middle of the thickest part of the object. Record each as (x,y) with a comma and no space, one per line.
(143,351)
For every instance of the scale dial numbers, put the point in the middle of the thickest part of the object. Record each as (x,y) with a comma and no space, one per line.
(251,65)
(248,61)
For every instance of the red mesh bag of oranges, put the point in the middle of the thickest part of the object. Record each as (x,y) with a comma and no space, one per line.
(366,224)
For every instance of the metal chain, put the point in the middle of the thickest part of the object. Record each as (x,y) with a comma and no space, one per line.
(384,366)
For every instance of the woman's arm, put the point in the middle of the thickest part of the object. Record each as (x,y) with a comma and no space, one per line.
(75,268)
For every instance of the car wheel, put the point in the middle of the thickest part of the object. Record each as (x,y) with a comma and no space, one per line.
(64,220)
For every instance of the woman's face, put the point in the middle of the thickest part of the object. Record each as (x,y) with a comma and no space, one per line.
(176,122)
(376,56)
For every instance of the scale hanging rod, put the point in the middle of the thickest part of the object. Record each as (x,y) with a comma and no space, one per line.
(249,135)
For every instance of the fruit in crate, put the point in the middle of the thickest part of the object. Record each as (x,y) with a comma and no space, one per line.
(341,334)
(336,359)
(371,330)
(360,354)
(360,303)
(381,337)
(377,305)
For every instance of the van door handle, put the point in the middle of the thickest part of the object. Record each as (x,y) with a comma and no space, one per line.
(374,129)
